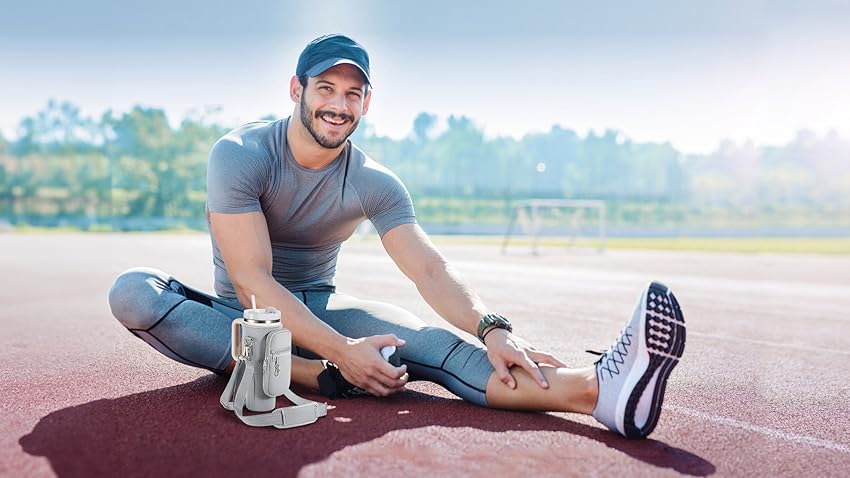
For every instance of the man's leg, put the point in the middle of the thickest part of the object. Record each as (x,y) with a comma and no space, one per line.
(157,308)
(570,390)
(194,328)
(185,324)
(430,353)
(624,390)
(441,356)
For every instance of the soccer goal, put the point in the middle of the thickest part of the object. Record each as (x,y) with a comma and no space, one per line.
(533,215)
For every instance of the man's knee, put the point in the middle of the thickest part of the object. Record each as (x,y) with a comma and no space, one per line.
(445,346)
(451,361)
(140,297)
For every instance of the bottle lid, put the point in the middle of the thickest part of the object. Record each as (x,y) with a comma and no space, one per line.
(254,315)
(263,316)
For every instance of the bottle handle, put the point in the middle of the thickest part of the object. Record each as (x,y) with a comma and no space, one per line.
(236,339)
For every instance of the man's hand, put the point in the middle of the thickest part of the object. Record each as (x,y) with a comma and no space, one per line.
(362,365)
(506,350)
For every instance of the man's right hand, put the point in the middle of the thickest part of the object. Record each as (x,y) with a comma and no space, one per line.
(362,365)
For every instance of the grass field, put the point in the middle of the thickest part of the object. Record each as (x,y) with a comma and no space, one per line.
(794,245)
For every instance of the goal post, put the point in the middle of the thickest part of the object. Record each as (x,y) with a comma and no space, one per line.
(530,215)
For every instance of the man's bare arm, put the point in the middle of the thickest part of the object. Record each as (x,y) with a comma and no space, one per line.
(437,281)
(243,240)
(446,292)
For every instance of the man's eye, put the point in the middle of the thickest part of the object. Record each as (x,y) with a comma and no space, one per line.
(354,95)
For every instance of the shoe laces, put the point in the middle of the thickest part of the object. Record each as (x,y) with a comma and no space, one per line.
(611,359)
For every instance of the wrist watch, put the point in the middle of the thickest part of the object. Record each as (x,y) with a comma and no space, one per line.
(492,320)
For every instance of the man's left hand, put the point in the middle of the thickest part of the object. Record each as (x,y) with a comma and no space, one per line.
(506,350)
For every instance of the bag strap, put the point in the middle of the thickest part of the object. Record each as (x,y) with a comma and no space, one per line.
(242,379)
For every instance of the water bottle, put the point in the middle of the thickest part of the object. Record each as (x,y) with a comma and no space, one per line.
(249,341)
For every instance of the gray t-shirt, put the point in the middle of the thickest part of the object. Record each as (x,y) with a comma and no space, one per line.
(309,212)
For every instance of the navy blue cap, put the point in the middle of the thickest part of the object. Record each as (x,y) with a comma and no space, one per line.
(331,50)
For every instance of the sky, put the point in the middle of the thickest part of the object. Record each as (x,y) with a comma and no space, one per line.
(691,73)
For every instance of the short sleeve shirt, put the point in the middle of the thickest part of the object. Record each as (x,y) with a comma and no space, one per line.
(309,212)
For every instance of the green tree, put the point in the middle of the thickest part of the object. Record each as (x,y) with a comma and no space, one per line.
(423,124)
(59,128)
(142,151)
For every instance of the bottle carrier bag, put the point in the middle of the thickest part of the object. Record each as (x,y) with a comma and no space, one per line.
(277,368)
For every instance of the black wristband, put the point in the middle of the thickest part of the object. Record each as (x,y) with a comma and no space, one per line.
(488,332)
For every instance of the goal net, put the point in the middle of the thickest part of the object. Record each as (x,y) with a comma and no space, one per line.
(536,217)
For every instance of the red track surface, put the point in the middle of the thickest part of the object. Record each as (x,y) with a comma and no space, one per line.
(762,389)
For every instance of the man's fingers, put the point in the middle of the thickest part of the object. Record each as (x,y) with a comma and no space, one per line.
(393,380)
(380,385)
(384,386)
(390,371)
(543,357)
(398,384)
(378,390)
(534,371)
(504,374)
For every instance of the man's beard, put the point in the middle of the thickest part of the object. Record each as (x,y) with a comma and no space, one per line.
(307,117)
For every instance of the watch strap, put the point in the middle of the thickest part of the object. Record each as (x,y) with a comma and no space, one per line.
(492,320)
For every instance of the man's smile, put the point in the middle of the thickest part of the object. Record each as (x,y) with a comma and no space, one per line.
(333,120)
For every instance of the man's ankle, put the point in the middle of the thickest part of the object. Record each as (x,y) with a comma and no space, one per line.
(591,390)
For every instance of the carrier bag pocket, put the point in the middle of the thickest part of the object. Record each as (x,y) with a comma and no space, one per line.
(277,362)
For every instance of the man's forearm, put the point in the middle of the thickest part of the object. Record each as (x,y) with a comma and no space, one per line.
(307,330)
(447,293)
(358,359)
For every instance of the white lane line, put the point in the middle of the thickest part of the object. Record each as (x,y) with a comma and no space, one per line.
(768,432)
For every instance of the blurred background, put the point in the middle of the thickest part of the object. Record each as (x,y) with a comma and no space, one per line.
(687,119)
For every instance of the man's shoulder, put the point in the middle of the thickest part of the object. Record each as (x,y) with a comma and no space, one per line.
(248,140)
(367,169)
(382,195)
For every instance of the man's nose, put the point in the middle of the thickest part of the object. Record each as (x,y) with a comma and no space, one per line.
(338,103)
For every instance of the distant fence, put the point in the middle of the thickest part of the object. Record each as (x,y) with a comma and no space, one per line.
(87,223)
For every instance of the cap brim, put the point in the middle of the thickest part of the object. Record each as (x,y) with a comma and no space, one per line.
(324,66)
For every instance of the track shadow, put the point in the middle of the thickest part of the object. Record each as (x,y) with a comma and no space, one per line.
(183,431)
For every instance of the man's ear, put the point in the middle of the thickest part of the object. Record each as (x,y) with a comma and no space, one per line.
(295,89)
(366,101)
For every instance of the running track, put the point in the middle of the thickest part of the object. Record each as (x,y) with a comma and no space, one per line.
(762,390)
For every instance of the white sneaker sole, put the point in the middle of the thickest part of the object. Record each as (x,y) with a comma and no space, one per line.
(660,339)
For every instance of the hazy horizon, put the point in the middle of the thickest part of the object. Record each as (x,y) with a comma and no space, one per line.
(693,75)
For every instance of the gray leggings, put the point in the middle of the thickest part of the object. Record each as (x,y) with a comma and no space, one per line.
(194,328)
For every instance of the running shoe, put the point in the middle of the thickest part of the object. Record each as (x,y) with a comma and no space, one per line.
(632,374)
(333,385)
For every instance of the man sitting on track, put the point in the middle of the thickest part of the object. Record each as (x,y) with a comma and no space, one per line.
(282,198)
